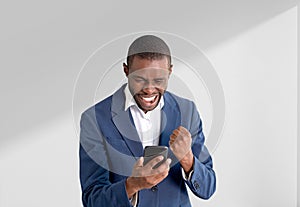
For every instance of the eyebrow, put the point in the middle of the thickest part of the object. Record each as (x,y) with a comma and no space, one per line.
(137,76)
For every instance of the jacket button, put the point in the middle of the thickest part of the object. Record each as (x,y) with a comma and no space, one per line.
(154,188)
(196,185)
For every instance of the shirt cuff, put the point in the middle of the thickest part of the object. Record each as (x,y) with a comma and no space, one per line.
(133,200)
(185,176)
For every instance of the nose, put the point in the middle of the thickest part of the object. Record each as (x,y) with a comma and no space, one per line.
(149,87)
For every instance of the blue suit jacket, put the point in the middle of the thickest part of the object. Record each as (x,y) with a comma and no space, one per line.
(109,147)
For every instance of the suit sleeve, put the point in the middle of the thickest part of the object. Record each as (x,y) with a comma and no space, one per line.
(203,180)
(97,190)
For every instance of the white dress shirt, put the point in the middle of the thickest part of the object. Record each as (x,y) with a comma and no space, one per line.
(146,124)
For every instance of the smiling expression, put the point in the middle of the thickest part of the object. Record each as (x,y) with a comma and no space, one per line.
(148,80)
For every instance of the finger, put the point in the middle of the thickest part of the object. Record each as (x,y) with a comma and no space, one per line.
(176,132)
(154,161)
(171,146)
(168,161)
(165,166)
(183,130)
(139,162)
(173,136)
(159,177)
(180,133)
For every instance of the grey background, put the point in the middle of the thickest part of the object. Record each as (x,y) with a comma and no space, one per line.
(252,45)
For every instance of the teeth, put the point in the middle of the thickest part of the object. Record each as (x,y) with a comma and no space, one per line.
(149,98)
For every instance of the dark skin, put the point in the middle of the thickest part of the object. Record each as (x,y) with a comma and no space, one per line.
(147,81)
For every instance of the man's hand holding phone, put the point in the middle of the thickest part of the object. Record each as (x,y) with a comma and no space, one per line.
(148,174)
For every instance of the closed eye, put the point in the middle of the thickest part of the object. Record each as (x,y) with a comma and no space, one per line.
(159,81)
(139,79)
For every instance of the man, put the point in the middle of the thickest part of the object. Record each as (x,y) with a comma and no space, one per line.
(142,113)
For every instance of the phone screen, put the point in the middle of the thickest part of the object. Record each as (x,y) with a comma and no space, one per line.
(151,152)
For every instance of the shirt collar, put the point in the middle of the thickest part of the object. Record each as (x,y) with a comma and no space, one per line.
(129,100)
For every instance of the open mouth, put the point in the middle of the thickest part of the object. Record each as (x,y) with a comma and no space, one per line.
(148,102)
(150,99)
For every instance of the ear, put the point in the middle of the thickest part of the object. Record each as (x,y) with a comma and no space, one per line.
(170,69)
(126,69)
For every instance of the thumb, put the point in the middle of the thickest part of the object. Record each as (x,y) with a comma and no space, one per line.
(139,162)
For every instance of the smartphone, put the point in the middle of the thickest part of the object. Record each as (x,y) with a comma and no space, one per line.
(151,152)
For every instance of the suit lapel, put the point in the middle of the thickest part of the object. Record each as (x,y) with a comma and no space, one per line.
(123,122)
(170,119)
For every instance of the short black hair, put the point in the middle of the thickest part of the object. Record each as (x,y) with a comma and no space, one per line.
(149,47)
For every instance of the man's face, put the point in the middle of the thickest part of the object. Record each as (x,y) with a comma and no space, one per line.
(148,80)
